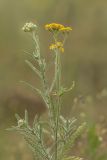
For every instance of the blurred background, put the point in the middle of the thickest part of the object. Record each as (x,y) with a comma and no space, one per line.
(84,61)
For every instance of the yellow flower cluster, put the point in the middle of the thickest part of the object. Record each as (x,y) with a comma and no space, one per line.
(57,27)
(66,29)
(53,27)
(57,45)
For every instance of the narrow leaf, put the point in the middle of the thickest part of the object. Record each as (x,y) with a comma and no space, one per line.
(17,117)
(33,68)
(26,117)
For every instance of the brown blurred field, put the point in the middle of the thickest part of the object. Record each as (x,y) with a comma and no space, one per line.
(84,61)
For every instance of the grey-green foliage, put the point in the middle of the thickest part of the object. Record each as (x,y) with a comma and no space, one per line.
(35,136)
(60,131)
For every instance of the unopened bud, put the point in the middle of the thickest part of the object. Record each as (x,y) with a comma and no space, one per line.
(21,122)
(29,27)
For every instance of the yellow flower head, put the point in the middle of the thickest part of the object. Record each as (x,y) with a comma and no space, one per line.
(53,27)
(66,29)
(57,45)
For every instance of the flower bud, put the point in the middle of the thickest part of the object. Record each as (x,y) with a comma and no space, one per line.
(29,27)
(21,122)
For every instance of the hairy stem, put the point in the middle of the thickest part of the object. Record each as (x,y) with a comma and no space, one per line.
(58,99)
(46,94)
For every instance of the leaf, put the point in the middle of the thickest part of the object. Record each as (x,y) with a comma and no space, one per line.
(26,117)
(33,68)
(32,87)
(69,143)
(35,121)
(65,90)
(17,117)
(13,128)
(37,90)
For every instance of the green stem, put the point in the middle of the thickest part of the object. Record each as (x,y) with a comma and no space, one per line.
(58,100)
(46,93)
(54,116)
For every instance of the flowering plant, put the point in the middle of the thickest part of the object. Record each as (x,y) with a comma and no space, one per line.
(62,132)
